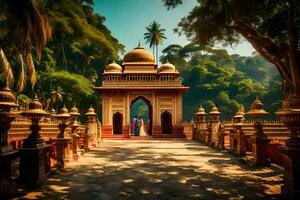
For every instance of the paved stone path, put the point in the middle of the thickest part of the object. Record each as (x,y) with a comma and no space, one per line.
(158,169)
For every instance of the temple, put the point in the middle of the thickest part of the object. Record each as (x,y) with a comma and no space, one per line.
(139,77)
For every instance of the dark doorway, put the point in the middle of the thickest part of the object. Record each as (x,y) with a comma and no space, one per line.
(166,123)
(141,107)
(117,123)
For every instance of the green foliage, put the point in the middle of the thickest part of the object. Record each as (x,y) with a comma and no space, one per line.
(60,87)
(74,59)
(140,109)
(23,99)
(154,36)
(228,81)
(272,27)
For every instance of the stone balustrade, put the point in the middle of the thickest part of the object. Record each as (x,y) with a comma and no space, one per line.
(139,79)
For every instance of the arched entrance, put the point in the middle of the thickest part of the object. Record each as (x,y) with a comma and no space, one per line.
(141,107)
(166,123)
(117,123)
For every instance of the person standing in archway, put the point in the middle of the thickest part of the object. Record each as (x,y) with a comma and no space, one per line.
(135,125)
(142,131)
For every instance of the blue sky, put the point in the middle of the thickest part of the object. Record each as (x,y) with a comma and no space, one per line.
(127,20)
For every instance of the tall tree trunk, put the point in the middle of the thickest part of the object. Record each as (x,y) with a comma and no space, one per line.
(293,45)
(156,53)
(64,57)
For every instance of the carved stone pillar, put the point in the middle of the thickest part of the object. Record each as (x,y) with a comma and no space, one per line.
(7,153)
(290,116)
(62,139)
(259,140)
(35,160)
(92,129)
(239,134)
(221,144)
(232,146)
(200,125)
(75,136)
(214,124)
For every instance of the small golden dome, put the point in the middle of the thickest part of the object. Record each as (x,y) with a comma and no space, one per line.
(113,68)
(201,111)
(7,99)
(35,104)
(167,67)
(139,55)
(64,110)
(63,113)
(214,111)
(91,111)
(74,111)
(257,108)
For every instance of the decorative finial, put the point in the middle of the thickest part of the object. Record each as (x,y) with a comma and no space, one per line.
(113,60)
(139,43)
(167,61)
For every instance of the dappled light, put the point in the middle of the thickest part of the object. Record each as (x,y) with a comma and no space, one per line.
(159,170)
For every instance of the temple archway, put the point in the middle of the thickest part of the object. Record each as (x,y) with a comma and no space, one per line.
(138,78)
(166,123)
(117,123)
(141,107)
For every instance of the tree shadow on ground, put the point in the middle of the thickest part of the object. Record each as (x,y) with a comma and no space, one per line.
(140,172)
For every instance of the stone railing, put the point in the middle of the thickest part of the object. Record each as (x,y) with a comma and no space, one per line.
(139,79)
(273,129)
(20,129)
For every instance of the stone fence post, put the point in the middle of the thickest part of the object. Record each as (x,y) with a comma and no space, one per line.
(214,124)
(35,160)
(200,125)
(7,152)
(92,128)
(259,139)
(62,139)
(238,120)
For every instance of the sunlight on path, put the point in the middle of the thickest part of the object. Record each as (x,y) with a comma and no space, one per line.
(159,169)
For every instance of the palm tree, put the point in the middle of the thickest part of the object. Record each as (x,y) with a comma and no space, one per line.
(154,36)
(24,25)
(56,96)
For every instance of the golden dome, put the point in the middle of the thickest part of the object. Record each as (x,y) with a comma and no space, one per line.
(139,55)
(74,111)
(113,68)
(7,99)
(214,111)
(63,113)
(167,67)
(201,111)
(91,111)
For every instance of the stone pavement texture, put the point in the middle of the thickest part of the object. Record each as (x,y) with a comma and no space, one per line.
(158,169)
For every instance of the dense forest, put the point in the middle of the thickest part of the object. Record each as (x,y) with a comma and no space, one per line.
(228,81)
(81,46)
(79,49)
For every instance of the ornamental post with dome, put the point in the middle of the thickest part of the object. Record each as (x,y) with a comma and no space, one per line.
(201,124)
(139,77)
(290,116)
(259,140)
(62,139)
(75,141)
(74,113)
(34,163)
(7,152)
(214,124)
(238,120)
(92,129)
